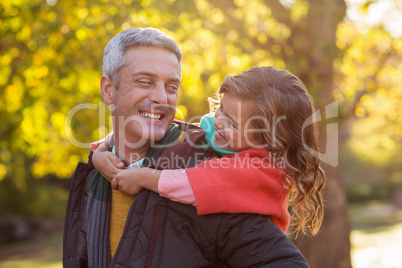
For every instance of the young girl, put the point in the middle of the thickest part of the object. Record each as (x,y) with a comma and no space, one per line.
(259,129)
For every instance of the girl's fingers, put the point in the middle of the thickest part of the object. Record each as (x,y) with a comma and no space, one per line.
(115,183)
(116,161)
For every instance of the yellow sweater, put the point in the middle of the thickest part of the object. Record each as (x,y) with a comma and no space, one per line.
(120,206)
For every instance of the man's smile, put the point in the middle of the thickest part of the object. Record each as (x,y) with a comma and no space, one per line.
(151,115)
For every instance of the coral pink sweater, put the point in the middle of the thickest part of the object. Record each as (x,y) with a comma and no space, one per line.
(247,182)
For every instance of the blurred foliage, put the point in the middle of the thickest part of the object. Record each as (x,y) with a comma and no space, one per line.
(370,71)
(41,199)
(368,75)
(51,62)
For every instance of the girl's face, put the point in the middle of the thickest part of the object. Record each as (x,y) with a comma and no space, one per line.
(233,122)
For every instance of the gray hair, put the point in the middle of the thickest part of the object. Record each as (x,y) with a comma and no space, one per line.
(114,55)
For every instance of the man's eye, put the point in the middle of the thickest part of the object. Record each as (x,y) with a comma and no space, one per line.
(172,88)
(144,82)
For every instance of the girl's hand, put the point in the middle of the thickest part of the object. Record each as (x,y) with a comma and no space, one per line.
(107,163)
(128,181)
(132,180)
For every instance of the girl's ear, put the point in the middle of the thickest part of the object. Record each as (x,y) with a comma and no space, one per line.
(108,89)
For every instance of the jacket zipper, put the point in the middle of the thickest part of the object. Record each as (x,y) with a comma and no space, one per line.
(154,236)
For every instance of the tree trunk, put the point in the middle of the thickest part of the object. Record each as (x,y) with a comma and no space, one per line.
(331,247)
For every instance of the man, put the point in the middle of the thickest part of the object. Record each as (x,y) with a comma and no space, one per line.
(103,228)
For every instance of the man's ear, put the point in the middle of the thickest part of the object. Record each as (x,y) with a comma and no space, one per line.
(107,88)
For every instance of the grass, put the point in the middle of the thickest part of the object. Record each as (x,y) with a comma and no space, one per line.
(376,235)
(43,262)
(45,251)
(373,216)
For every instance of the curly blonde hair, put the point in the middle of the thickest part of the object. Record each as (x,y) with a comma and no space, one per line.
(283,106)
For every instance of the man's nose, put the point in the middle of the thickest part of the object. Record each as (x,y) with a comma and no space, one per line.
(159,95)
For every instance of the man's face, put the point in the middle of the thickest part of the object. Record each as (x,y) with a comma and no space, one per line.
(145,102)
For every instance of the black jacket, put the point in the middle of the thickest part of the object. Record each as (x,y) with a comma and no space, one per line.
(163,233)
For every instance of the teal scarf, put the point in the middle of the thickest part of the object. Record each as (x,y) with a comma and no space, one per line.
(207,124)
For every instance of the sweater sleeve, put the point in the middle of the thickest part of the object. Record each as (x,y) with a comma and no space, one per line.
(174,184)
(96,144)
(247,182)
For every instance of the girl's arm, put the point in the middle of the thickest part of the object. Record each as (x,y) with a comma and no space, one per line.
(172,184)
(175,185)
